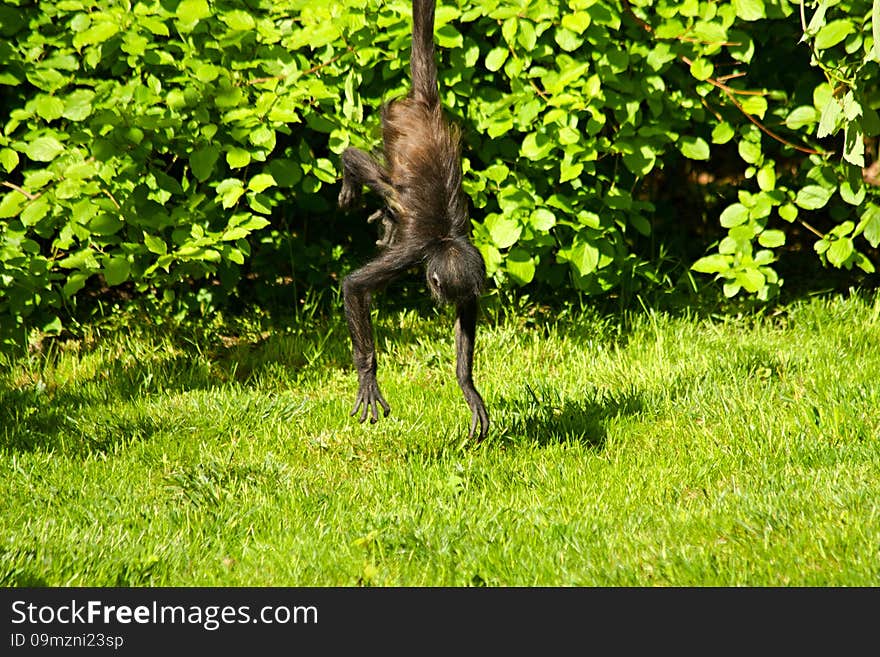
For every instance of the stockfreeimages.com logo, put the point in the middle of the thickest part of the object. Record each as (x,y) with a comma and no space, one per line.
(210,617)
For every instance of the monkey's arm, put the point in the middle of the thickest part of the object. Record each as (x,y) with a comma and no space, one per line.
(359,169)
(356,290)
(465,336)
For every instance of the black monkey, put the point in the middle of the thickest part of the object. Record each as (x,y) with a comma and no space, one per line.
(424,222)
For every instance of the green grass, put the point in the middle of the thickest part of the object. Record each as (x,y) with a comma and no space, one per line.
(658,450)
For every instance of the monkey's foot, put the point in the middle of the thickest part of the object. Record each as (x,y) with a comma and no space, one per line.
(369,399)
(479,415)
(389,226)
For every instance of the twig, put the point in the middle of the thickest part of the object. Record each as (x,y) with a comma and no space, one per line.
(21,190)
(109,195)
(815,232)
(730,91)
(314,69)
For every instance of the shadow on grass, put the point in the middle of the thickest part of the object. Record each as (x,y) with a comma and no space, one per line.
(111,407)
(545,418)
(68,422)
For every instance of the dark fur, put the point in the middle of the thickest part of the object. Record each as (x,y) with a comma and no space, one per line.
(425,222)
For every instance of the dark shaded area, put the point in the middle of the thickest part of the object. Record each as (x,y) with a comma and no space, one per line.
(546,418)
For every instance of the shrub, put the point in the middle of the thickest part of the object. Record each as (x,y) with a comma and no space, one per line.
(153,143)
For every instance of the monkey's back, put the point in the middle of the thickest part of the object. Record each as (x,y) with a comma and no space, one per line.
(423,155)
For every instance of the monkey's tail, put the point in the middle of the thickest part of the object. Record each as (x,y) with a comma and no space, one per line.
(422,62)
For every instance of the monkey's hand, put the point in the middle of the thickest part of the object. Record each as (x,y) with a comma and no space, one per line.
(369,398)
(348,194)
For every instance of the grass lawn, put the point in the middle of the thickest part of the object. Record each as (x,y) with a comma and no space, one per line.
(659,450)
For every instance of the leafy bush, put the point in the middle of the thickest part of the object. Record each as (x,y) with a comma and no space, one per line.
(152,143)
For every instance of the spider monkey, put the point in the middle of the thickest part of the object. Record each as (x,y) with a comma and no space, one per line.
(424,223)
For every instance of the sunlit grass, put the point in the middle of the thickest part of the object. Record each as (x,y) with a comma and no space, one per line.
(643,450)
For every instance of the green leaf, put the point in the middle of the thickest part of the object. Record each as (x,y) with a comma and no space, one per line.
(584,257)
(749,10)
(570,170)
(49,107)
(869,225)
(840,251)
(829,122)
(497,173)
(520,266)
(863,263)
(206,72)
(702,69)
(238,20)
(833,33)
(230,190)
(11,204)
(731,289)
(854,145)
(767,177)
(75,282)
(712,264)
(694,148)
(734,215)
(53,326)
(577,21)
(640,161)
(496,58)
(526,35)
(44,149)
(261,182)
(875,29)
(105,224)
(155,244)
(8,159)
(750,151)
(722,133)
(98,33)
(504,231)
(536,146)
(850,195)
(116,270)
(771,238)
(190,11)
(751,279)
(35,210)
(813,197)
(567,39)
(789,212)
(800,117)
(754,105)
(286,173)
(202,162)
(447,37)
(542,219)
(237,158)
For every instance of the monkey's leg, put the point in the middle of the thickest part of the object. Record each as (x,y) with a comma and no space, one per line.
(359,169)
(356,290)
(465,337)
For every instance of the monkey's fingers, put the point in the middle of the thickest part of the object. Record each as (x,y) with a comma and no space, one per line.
(347,196)
(479,415)
(377,401)
(386,409)
(357,404)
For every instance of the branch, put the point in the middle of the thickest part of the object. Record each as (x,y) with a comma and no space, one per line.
(20,190)
(314,69)
(730,91)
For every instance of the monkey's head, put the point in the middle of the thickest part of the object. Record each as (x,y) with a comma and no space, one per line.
(455,271)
